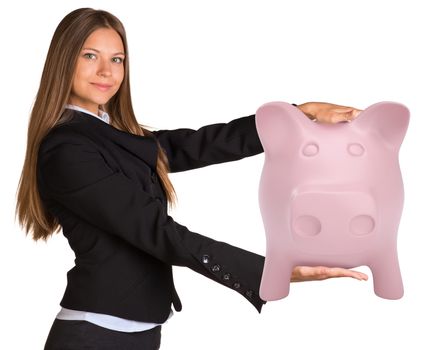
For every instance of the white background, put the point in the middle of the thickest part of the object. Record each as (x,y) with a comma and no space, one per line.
(200,62)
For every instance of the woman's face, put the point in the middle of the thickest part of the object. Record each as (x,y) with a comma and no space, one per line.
(99,71)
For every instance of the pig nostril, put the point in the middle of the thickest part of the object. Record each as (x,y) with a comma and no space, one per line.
(356,149)
(310,150)
(307,225)
(362,225)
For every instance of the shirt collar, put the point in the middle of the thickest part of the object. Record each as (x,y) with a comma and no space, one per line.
(102,114)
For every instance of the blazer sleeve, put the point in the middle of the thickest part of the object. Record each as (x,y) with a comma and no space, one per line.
(73,173)
(211,144)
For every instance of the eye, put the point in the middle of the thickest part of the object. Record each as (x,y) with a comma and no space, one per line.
(311,149)
(117,59)
(89,55)
(355,149)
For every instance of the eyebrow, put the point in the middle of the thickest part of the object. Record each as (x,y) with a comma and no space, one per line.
(90,48)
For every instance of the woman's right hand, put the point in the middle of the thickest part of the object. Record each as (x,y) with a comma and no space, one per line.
(325,112)
(319,273)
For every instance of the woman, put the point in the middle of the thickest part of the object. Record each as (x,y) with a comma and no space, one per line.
(93,171)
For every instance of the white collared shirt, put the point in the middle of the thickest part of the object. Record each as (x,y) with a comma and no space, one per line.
(101,114)
(103,320)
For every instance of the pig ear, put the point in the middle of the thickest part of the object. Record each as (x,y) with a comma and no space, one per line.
(276,122)
(389,119)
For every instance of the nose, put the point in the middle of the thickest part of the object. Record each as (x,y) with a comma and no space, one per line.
(104,68)
(333,214)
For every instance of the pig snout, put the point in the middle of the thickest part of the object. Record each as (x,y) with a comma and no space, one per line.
(333,214)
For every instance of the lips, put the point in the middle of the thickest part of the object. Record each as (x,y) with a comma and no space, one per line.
(102,87)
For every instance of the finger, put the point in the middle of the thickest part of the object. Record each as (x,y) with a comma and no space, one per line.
(351,112)
(347,117)
(342,109)
(338,118)
(356,113)
(361,276)
(340,272)
(312,273)
(305,271)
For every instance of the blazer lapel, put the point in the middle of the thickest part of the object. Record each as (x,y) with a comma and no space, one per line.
(142,147)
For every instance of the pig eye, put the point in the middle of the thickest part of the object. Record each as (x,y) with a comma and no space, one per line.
(355,149)
(310,150)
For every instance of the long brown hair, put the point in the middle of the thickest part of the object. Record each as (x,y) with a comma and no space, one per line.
(52,96)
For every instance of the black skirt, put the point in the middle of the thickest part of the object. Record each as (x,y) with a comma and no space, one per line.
(83,335)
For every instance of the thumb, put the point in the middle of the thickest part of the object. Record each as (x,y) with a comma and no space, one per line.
(342,108)
(340,117)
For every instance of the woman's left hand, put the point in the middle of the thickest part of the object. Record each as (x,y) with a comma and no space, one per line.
(319,273)
(328,113)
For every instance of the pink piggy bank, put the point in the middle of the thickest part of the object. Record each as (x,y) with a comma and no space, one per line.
(331,194)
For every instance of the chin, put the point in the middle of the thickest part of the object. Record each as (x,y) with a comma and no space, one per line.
(101,101)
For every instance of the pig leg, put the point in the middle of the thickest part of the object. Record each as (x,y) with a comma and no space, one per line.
(386,274)
(276,277)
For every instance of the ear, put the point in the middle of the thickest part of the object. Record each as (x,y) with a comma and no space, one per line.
(276,123)
(389,119)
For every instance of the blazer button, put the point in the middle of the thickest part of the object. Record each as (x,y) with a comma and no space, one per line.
(236,285)
(226,276)
(249,293)
(153,177)
(205,259)
(216,268)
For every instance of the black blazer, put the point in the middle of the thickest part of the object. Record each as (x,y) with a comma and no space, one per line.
(101,185)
